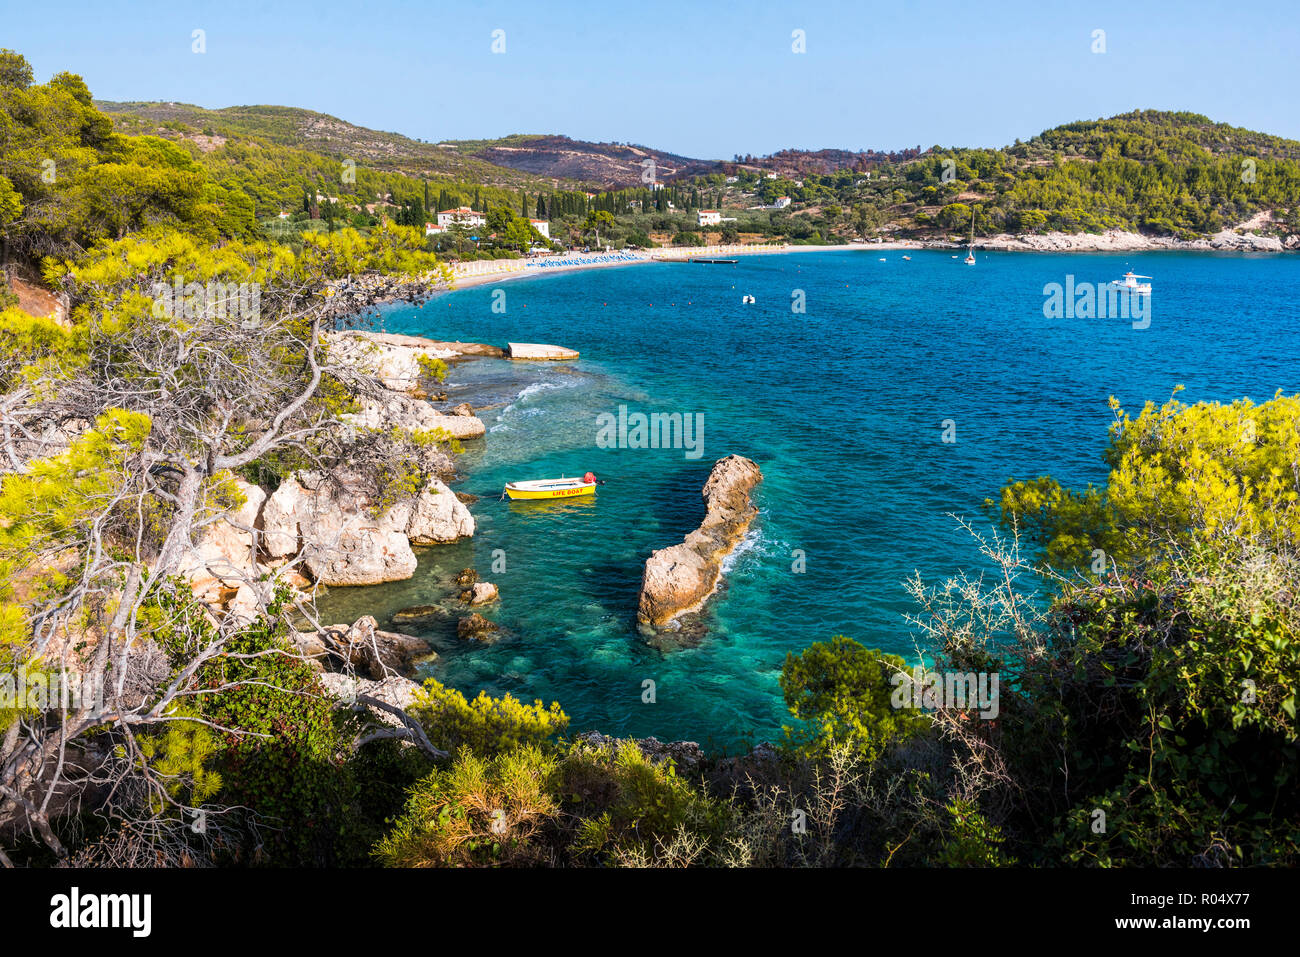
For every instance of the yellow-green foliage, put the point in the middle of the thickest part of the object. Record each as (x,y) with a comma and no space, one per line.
(431,367)
(404,468)
(179,753)
(34,345)
(15,668)
(50,504)
(487,725)
(80,182)
(971,841)
(388,249)
(51,500)
(631,808)
(138,260)
(1197,473)
(476,811)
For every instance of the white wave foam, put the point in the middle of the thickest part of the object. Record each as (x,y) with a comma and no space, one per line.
(747,544)
(535,388)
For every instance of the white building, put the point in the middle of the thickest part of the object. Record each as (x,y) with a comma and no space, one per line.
(432,228)
(781,202)
(542,226)
(709,217)
(460,216)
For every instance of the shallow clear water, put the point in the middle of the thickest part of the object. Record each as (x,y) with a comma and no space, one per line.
(843,406)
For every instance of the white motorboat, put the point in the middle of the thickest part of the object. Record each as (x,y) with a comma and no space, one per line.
(1130,283)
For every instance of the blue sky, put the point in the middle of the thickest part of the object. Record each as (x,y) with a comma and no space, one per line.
(701,78)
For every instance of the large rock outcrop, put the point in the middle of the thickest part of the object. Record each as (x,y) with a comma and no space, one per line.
(225,556)
(392,409)
(394,360)
(343,540)
(331,528)
(680,579)
(438,516)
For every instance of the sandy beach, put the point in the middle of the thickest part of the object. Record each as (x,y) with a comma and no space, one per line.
(482,272)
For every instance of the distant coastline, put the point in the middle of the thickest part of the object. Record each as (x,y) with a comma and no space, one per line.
(1114,240)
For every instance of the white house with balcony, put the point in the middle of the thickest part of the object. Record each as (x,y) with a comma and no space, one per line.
(542,226)
(709,217)
(781,202)
(460,216)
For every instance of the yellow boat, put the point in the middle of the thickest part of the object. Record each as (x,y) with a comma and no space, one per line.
(552,488)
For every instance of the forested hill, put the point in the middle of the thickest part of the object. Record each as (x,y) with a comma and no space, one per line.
(1150,134)
(316,132)
(1156,172)
(1159,173)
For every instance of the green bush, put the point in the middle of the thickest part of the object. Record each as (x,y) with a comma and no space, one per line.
(635,812)
(476,812)
(486,725)
(1173,698)
(841,692)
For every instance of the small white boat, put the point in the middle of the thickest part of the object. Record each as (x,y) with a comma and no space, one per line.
(746,299)
(970,247)
(1130,284)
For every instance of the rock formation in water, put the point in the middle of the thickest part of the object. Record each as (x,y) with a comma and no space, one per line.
(680,579)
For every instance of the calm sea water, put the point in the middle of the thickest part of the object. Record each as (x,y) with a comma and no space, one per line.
(842,405)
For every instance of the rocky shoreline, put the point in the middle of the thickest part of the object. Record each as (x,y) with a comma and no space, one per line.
(1116,240)
(313,529)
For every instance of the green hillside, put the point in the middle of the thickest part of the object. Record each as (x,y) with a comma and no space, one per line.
(318,133)
(1157,173)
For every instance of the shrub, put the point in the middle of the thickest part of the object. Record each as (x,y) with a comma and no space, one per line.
(1174,697)
(841,691)
(636,812)
(477,811)
(1188,474)
(486,725)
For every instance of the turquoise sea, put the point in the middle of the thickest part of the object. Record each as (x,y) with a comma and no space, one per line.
(843,406)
